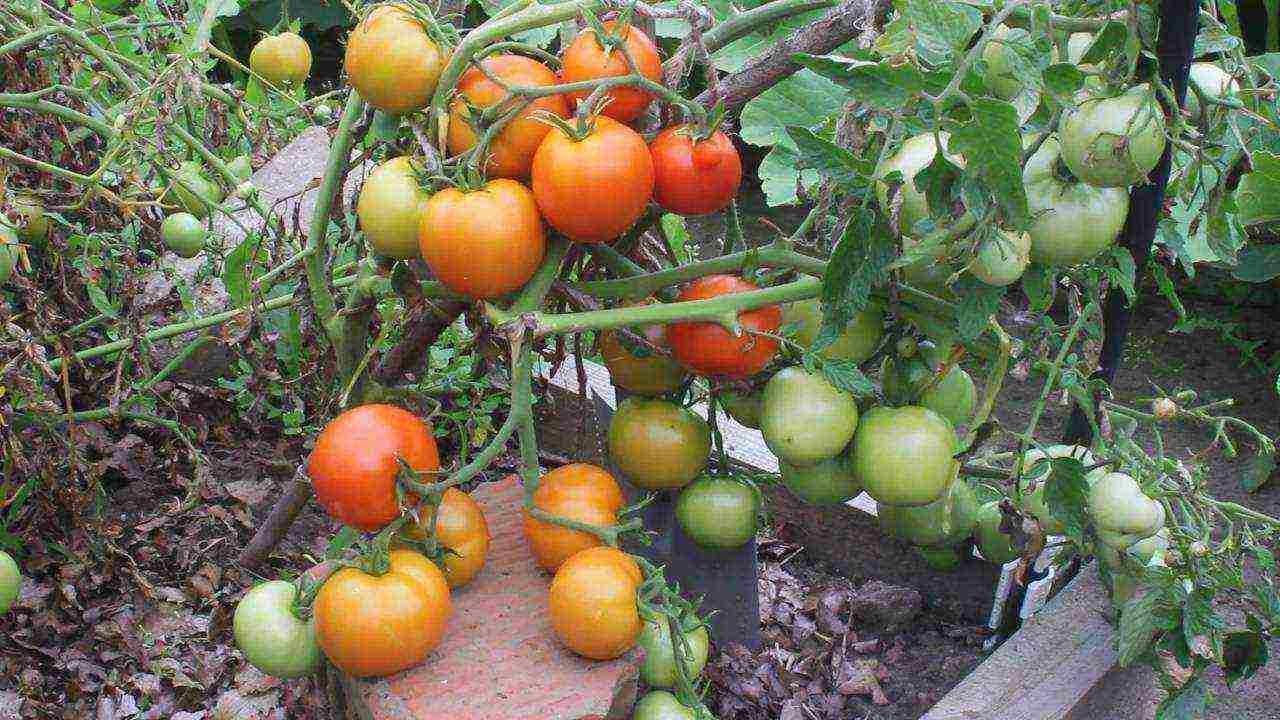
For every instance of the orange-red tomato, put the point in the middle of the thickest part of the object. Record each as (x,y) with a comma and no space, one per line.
(391,61)
(694,178)
(375,625)
(462,530)
(708,349)
(511,151)
(578,491)
(586,59)
(354,464)
(484,243)
(595,188)
(593,603)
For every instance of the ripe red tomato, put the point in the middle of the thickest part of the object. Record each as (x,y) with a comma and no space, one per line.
(586,59)
(484,243)
(595,188)
(709,349)
(694,178)
(354,464)
(511,151)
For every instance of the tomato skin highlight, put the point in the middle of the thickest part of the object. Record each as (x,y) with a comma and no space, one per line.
(592,190)
(657,444)
(371,626)
(354,464)
(694,178)
(391,61)
(270,636)
(578,491)
(511,151)
(708,349)
(585,59)
(484,243)
(390,208)
(593,603)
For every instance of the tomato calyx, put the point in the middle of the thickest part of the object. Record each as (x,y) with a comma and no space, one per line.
(611,42)
(426,18)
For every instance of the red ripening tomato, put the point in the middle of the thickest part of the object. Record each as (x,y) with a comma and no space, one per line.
(354,464)
(708,349)
(586,59)
(694,178)
(595,188)
(511,152)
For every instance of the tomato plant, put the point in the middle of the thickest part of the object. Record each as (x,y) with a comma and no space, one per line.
(594,185)
(482,243)
(657,444)
(916,154)
(390,208)
(33,225)
(641,370)
(903,455)
(392,61)
(357,458)
(709,349)
(829,482)
(374,625)
(1074,221)
(193,190)
(694,176)
(1113,142)
(271,636)
(718,512)
(856,342)
(593,603)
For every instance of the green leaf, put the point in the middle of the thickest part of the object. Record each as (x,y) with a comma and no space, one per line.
(1066,494)
(1139,623)
(1062,80)
(780,180)
(235,274)
(845,375)
(1188,702)
(803,100)
(833,162)
(100,302)
(1214,38)
(978,302)
(938,180)
(1200,625)
(677,235)
(1038,285)
(1268,63)
(1258,471)
(1258,195)
(1223,236)
(1258,263)
(859,262)
(1243,654)
(943,29)
(385,127)
(540,37)
(992,146)
(1123,272)
(1110,38)
(196,10)
(883,85)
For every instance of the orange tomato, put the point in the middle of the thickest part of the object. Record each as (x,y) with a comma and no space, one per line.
(462,529)
(595,188)
(709,349)
(511,151)
(375,625)
(391,61)
(354,464)
(593,603)
(651,374)
(579,491)
(586,59)
(484,243)
(694,178)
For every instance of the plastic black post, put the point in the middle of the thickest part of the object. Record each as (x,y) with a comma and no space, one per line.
(1179,23)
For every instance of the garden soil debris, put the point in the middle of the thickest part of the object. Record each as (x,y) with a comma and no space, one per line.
(835,650)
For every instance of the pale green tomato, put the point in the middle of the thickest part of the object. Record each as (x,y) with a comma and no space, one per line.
(1032,500)
(830,482)
(1213,81)
(1071,221)
(995,546)
(915,155)
(10,582)
(1002,258)
(857,342)
(744,408)
(1113,142)
(1004,76)
(184,234)
(805,419)
(283,59)
(272,638)
(8,253)
(904,455)
(1122,513)
(659,667)
(952,397)
(190,173)
(661,705)
(33,228)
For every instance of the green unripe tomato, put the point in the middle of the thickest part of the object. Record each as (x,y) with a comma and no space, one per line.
(184,234)
(744,408)
(191,174)
(272,638)
(1122,513)
(323,112)
(952,397)
(942,559)
(8,253)
(718,513)
(995,546)
(1113,142)
(241,166)
(804,418)
(1005,77)
(657,444)
(830,482)
(1073,221)
(916,153)
(1032,500)
(1002,258)
(904,455)
(661,705)
(10,582)
(1213,81)
(659,667)
(33,226)
(857,342)
(926,525)
(1154,547)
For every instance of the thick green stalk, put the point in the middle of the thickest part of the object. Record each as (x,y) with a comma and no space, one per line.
(742,24)
(643,285)
(314,264)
